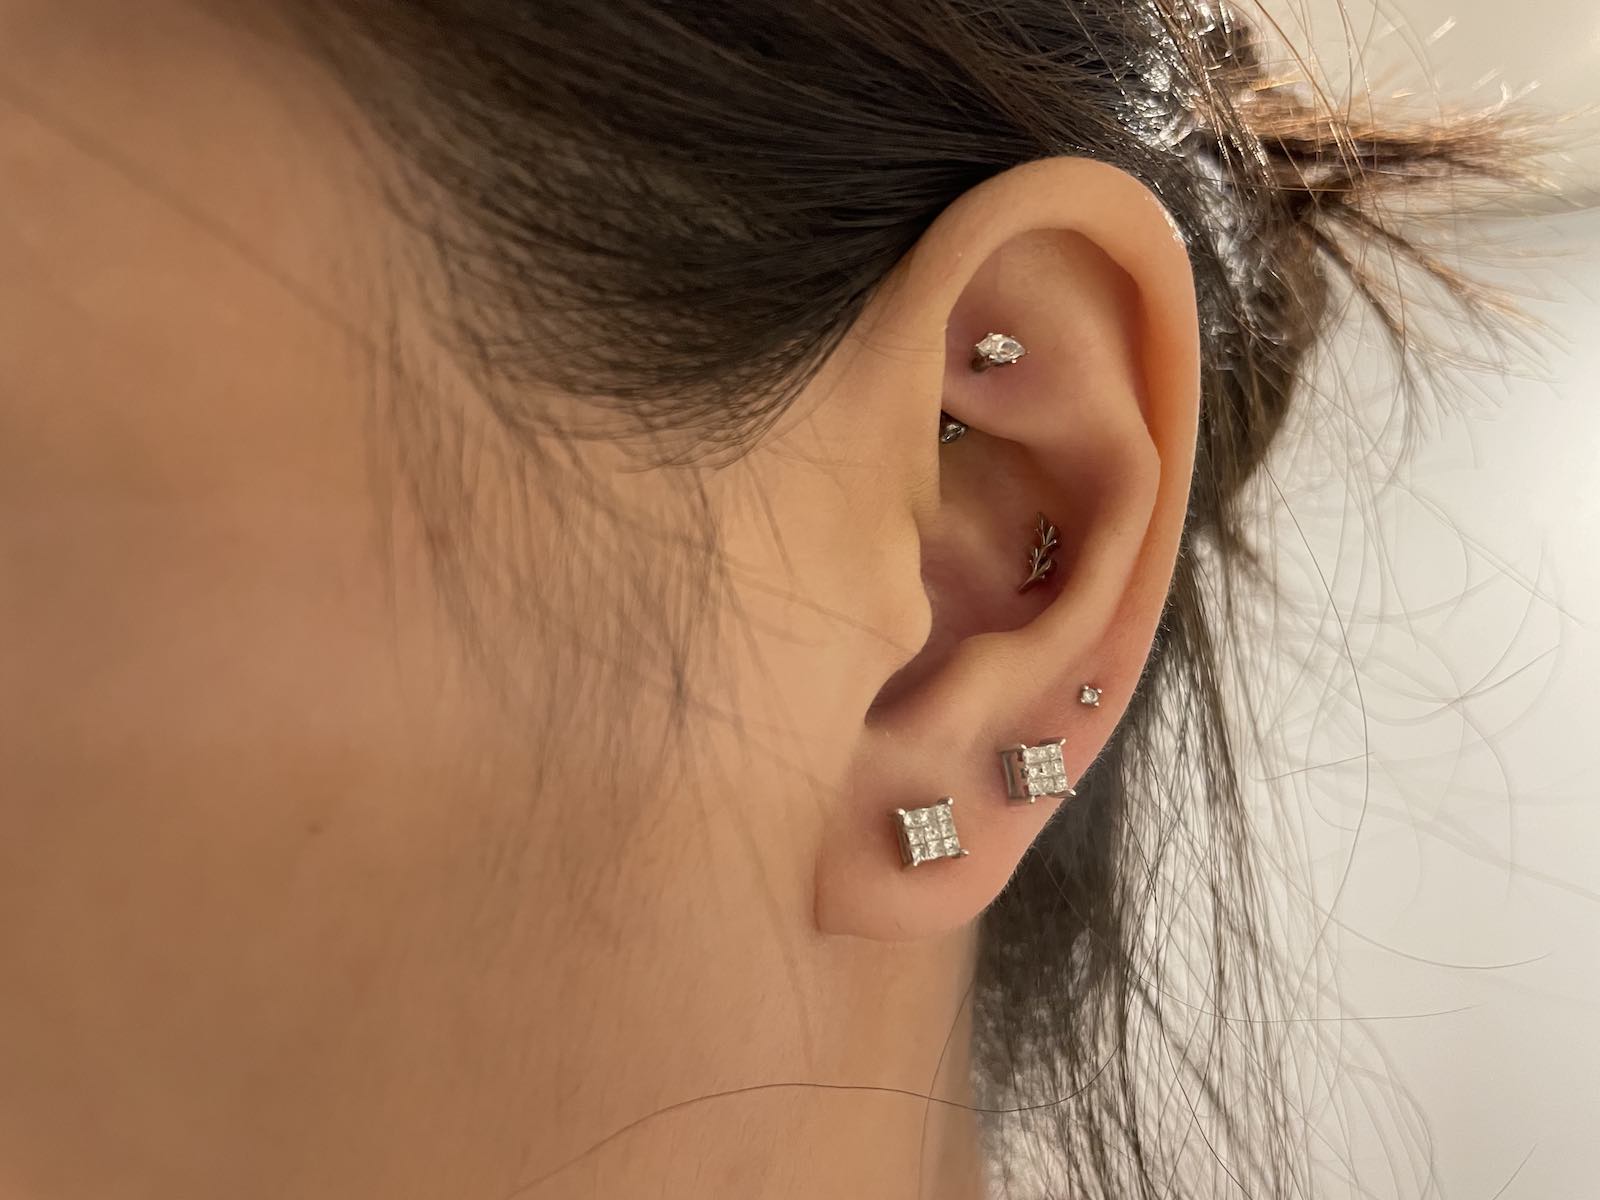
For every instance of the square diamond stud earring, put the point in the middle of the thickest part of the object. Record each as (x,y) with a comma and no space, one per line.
(928,833)
(1034,771)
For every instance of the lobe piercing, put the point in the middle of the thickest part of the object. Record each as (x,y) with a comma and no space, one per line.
(1090,695)
(928,833)
(1034,771)
(1040,562)
(950,429)
(996,350)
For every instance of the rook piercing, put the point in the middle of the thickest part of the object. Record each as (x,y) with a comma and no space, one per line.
(1040,562)
(996,350)
(1090,695)
(927,833)
(1034,771)
(950,429)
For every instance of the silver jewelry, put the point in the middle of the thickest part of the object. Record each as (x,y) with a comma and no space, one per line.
(950,429)
(928,833)
(1090,695)
(1034,771)
(1040,558)
(996,350)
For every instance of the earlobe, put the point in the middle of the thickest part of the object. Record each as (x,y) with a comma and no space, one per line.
(1060,301)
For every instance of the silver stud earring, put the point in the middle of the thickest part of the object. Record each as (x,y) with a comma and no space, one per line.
(950,429)
(1041,558)
(1090,695)
(1034,771)
(997,350)
(928,833)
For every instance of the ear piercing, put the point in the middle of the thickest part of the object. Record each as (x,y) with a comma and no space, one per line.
(928,833)
(996,350)
(1034,771)
(950,429)
(1040,558)
(1090,695)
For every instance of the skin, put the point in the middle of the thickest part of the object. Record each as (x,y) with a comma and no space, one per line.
(360,837)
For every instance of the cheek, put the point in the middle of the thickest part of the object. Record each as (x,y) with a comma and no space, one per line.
(242,880)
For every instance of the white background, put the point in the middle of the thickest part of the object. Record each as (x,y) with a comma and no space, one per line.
(1441,714)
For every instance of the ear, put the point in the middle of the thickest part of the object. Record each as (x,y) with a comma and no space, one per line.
(1094,428)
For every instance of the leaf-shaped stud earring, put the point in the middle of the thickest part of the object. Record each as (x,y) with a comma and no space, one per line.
(1040,558)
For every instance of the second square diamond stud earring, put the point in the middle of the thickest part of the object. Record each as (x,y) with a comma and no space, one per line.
(1090,695)
(1034,771)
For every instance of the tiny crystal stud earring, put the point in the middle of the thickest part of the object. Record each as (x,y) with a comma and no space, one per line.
(928,833)
(1034,771)
(1090,695)
(996,350)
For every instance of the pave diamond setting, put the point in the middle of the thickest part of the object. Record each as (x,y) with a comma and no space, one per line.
(996,350)
(1034,771)
(928,833)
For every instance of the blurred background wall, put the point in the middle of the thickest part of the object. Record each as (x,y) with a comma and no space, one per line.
(1434,706)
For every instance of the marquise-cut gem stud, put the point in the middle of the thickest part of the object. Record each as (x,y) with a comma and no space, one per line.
(996,350)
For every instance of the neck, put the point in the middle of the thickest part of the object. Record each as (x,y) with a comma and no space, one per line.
(728,1059)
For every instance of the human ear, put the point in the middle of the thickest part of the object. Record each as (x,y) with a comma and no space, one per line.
(1094,428)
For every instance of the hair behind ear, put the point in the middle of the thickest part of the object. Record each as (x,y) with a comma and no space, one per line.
(723,261)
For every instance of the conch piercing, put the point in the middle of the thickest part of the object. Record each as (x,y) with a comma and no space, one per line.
(950,429)
(1034,771)
(1040,558)
(996,350)
(1090,695)
(928,833)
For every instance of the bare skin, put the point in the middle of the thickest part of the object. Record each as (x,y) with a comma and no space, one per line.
(311,885)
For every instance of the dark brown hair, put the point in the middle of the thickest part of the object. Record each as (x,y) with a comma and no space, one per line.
(716,188)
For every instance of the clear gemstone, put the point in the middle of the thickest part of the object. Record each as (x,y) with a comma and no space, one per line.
(999,349)
(927,833)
